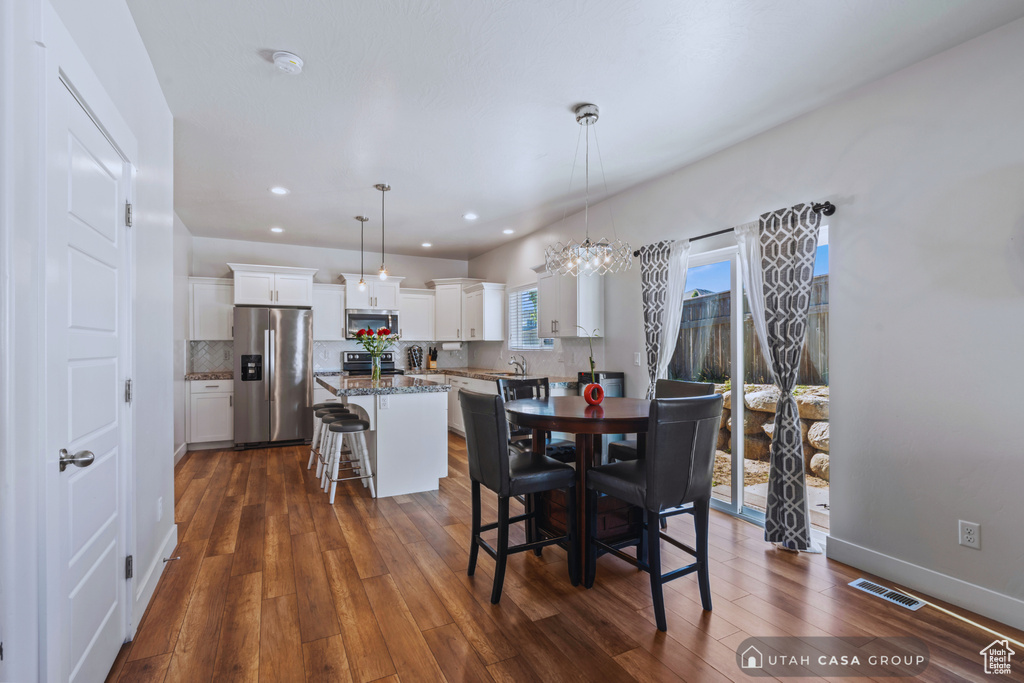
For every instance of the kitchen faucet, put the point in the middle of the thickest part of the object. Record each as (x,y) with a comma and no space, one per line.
(520,364)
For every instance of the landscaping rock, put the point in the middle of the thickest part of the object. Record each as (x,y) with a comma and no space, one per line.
(819,465)
(818,436)
(723,439)
(762,400)
(813,406)
(769,429)
(726,398)
(755,447)
(725,419)
(753,422)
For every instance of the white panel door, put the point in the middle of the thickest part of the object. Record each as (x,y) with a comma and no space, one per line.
(416,314)
(448,313)
(212,417)
(293,290)
(254,288)
(385,295)
(328,313)
(87,340)
(213,311)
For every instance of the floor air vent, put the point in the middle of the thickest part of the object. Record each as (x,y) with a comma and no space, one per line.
(887,594)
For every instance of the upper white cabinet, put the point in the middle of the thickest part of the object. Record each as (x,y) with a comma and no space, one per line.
(447,310)
(382,294)
(484,307)
(565,302)
(416,314)
(257,285)
(211,308)
(328,312)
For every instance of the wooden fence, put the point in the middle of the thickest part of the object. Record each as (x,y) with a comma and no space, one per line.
(703,350)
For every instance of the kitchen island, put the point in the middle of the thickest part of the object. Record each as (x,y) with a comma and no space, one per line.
(407,441)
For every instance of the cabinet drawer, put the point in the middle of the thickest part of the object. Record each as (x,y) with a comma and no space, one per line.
(198,386)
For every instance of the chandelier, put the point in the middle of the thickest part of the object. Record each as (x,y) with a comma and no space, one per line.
(591,256)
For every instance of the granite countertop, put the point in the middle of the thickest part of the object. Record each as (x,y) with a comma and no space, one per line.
(208,376)
(492,374)
(394,384)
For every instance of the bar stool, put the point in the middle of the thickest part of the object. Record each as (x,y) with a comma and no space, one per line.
(340,428)
(320,411)
(327,440)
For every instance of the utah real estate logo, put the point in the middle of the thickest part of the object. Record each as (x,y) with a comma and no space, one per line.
(997,657)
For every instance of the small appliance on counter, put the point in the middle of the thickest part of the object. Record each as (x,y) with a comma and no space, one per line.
(359,363)
(614,385)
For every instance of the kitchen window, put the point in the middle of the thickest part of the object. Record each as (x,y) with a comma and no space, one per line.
(522,321)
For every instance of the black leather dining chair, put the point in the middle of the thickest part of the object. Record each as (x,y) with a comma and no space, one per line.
(663,388)
(510,472)
(522,438)
(673,478)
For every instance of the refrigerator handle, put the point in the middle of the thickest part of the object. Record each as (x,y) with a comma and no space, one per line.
(266,365)
(273,365)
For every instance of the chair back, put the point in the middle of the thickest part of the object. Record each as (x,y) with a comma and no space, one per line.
(515,389)
(486,439)
(677,388)
(681,437)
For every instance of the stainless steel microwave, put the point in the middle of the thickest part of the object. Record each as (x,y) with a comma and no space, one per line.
(373,318)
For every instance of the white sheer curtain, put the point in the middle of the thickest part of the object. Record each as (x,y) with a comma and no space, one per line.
(678,260)
(748,237)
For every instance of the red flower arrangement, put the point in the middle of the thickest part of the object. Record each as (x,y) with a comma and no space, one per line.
(376,342)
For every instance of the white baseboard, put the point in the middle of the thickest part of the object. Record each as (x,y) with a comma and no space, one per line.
(210,445)
(146,585)
(180,452)
(1003,608)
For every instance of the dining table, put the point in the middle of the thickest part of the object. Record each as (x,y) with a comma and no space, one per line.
(618,522)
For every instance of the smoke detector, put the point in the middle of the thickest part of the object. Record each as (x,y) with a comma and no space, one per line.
(288,62)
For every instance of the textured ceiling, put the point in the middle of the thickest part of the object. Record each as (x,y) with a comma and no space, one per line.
(465,105)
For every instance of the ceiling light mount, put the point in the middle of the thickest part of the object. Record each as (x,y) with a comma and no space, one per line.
(288,62)
(362,224)
(591,256)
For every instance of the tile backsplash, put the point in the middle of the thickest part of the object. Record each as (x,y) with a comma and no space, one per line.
(210,356)
(567,357)
(327,354)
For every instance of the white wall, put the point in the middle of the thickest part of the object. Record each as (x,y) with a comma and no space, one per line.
(182,267)
(927,304)
(211,256)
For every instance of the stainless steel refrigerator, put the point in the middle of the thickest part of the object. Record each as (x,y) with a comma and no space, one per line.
(273,375)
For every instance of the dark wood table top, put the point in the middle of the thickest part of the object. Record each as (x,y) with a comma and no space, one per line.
(573,414)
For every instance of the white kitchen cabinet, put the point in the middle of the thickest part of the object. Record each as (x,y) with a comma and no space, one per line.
(211,411)
(257,285)
(211,308)
(440,379)
(416,315)
(565,303)
(328,312)
(447,312)
(480,386)
(484,306)
(321,395)
(381,294)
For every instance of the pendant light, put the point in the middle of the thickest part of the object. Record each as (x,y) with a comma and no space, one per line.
(362,226)
(589,257)
(383,187)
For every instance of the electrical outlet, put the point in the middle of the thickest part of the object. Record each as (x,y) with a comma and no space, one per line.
(159,508)
(323,354)
(385,402)
(227,355)
(970,534)
(636,359)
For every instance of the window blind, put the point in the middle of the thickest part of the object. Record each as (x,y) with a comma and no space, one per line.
(522,321)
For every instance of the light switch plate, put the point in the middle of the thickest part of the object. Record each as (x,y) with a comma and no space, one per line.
(636,359)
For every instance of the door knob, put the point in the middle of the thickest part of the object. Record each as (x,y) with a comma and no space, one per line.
(79,459)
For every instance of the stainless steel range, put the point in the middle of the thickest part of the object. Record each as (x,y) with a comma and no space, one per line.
(361,363)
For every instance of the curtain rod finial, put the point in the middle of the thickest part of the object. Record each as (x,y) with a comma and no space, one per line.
(826,209)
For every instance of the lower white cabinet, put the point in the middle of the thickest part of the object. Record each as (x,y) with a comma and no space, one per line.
(480,386)
(211,411)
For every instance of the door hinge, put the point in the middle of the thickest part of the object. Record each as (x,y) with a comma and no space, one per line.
(128,569)
(128,214)
(127,391)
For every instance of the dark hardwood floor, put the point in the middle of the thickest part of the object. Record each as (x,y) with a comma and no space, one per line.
(274,584)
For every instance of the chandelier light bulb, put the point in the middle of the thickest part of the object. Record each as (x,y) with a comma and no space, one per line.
(383,273)
(362,285)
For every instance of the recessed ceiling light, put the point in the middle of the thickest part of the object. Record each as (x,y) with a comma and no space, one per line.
(277,189)
(508,231)
(470,216)
(277,230)
(426,244)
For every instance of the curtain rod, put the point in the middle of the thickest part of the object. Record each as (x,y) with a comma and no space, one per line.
(826,209)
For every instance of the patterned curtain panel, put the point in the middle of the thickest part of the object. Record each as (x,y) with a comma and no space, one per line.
(663,281)
(788,240)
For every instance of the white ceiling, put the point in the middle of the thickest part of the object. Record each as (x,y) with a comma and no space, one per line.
(465,105)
